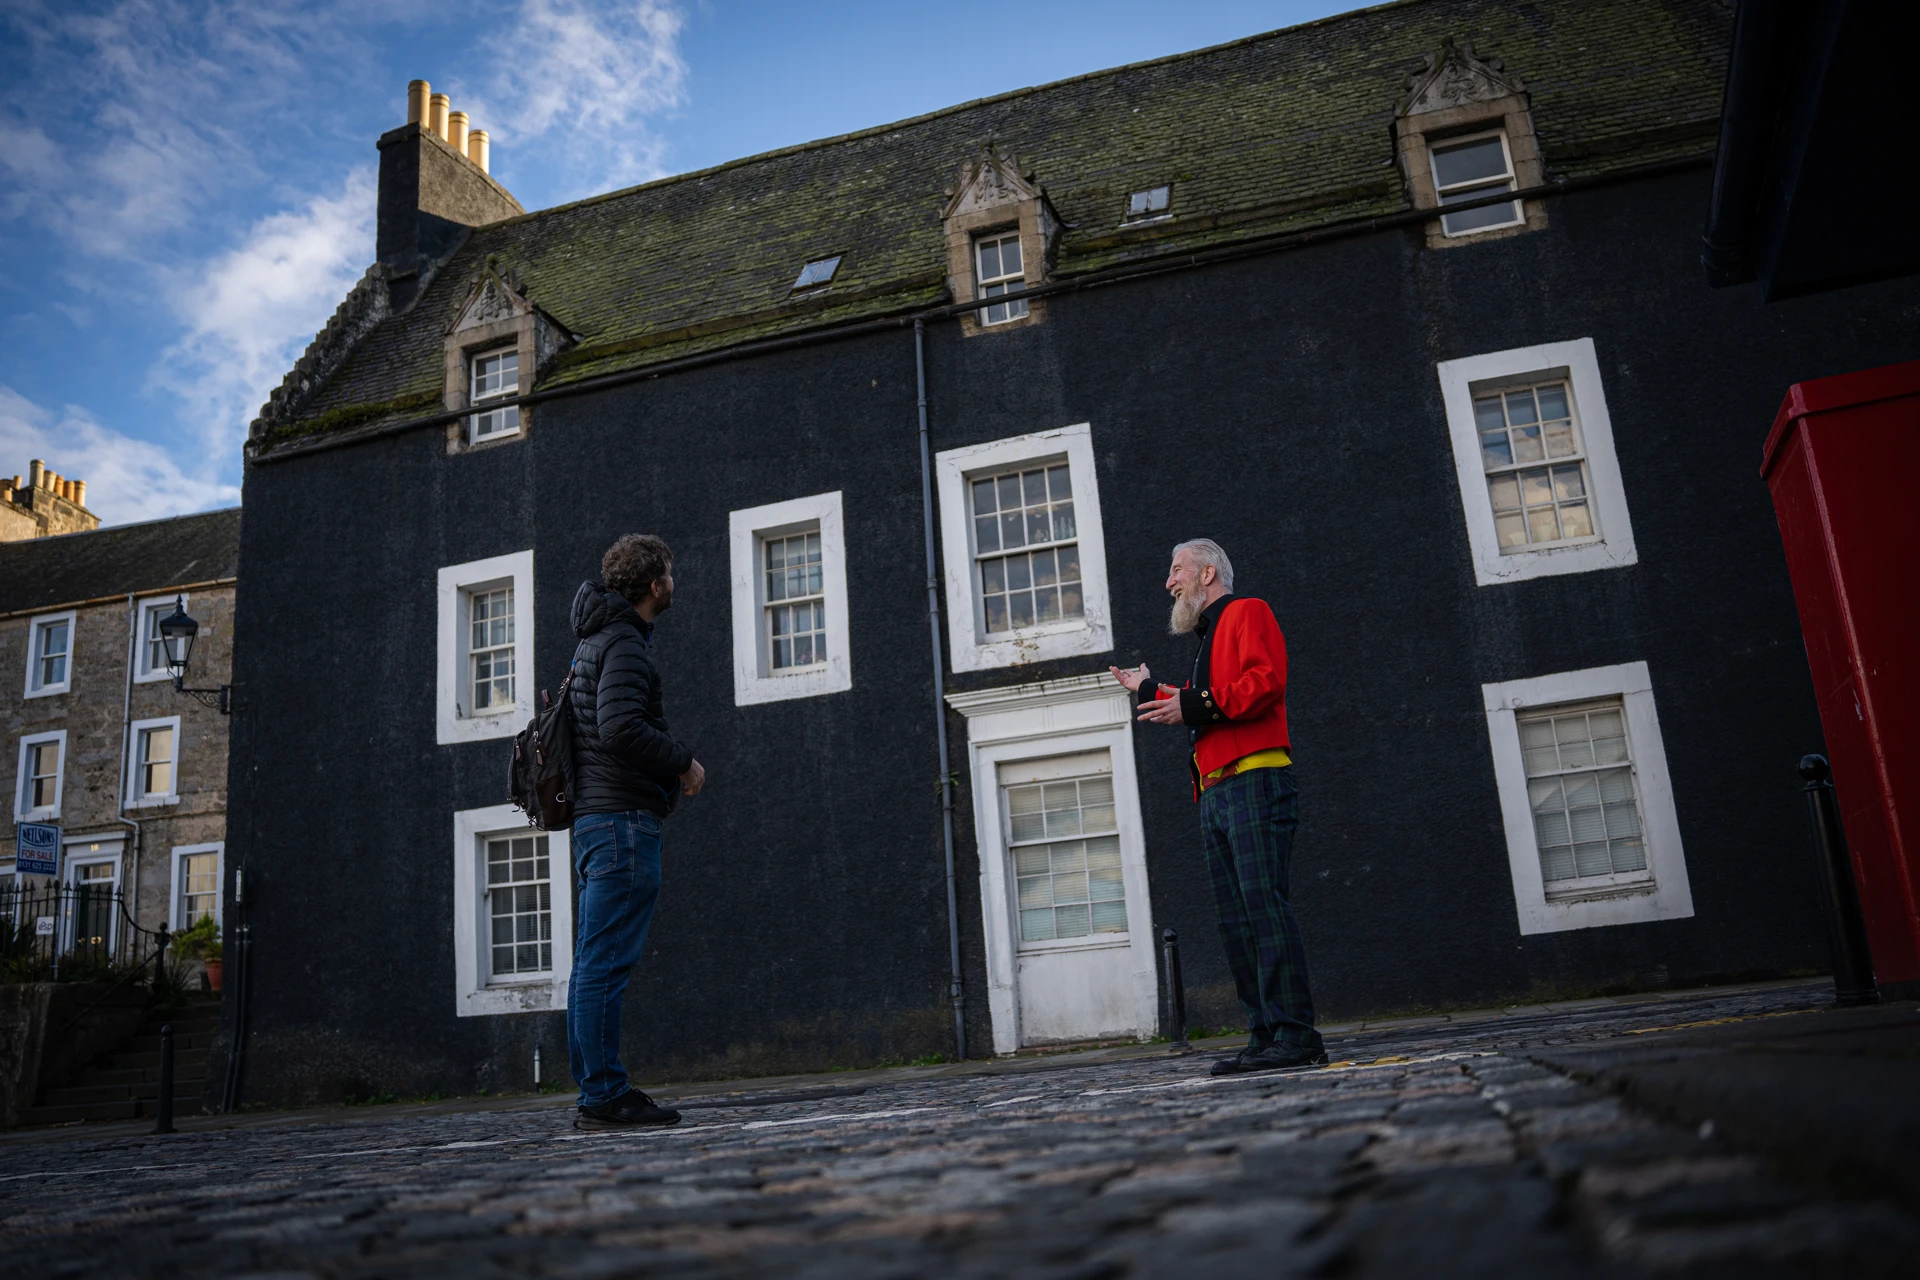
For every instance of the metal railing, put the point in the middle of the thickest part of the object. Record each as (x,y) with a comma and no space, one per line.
(51,932)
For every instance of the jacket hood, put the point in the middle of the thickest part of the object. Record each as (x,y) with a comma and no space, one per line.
(595,605)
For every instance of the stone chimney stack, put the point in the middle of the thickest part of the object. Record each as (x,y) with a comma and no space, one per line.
(42,504)
(432,190)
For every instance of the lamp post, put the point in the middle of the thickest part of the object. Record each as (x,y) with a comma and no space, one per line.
(177,633)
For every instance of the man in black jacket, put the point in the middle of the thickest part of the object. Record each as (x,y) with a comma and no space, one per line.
(628,772)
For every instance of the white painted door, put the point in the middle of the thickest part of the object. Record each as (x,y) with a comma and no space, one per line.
(1074,970)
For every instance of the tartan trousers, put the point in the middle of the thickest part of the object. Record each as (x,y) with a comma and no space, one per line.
(1247,823)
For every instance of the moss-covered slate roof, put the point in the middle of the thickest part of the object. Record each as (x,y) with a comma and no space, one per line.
(128,559)
(1285,130)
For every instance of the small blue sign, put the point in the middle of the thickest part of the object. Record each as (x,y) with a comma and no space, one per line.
(38,849)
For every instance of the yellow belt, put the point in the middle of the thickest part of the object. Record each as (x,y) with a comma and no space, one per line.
(1273,758)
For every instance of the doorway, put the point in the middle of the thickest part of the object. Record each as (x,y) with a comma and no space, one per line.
(90,917)
(1063,873)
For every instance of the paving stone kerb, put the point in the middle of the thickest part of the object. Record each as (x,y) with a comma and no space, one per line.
(1436,1149)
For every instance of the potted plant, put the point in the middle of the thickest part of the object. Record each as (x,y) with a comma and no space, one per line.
(201,941)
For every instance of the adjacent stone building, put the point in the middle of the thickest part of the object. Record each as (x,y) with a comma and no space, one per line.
(96,740)
(1403,308)
(42,503)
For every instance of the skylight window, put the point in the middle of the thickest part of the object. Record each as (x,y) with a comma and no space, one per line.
(1145,204)
(817,273)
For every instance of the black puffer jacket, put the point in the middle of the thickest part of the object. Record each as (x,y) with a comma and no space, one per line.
(625,757)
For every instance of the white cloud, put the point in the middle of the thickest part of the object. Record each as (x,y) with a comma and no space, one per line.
(577,88)
(250,312)
(185,161)
(127,479)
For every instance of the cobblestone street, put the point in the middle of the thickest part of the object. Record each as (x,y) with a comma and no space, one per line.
(1433,1147)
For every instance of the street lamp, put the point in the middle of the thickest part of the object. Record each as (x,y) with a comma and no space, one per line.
(178,631)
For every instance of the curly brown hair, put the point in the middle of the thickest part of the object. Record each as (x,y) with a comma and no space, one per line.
(635,563)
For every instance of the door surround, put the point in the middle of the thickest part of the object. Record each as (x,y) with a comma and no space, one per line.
(1034,721)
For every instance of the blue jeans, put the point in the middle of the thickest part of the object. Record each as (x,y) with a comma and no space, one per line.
(616,863)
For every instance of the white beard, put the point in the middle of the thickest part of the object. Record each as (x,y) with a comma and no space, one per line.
(1186,614)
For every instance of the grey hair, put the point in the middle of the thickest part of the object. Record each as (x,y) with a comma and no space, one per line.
(1207,551)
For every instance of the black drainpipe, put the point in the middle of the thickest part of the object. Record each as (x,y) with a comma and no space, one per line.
(939,697)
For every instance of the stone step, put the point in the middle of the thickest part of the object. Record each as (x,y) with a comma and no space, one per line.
(193,1015)
(128,1110)
(132,1109)
(80,1094)
(117,1075)
(142,1043)
(151,1058)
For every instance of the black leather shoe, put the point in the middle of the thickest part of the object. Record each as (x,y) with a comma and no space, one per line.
(1237,1063)
(631,1110)
(1275,1057)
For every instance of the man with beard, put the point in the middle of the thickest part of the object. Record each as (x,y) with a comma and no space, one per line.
(1235,708)
(628,772)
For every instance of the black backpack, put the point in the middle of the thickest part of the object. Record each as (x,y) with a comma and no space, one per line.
(540,778)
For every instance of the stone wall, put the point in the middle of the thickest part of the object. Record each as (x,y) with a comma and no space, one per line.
(49,1030)
(95,713)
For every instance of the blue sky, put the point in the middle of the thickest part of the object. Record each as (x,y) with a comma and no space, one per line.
(187,186)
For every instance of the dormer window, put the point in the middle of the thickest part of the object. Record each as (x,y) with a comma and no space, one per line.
(495,376)
(1465,132)
(1472,168)
(817,273)
(494,353)
(1149,203)
(997,261)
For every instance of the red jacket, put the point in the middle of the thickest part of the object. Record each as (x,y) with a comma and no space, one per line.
(1243,708)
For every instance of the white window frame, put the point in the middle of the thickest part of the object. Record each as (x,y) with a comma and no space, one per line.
(1150,204)
(454,721)
(1479,186)
(486,404)
(1577,364)
(474,995)
(1667,895)
(137,796)
(970,649)
(1010,281)
(1034,722)
(45,813)
(34,689)
(151,611)
(176,892)
(754,679)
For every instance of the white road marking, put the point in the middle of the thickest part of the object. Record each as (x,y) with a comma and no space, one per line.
(840,1117)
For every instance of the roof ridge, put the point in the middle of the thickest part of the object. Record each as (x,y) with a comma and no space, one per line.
(872,131)
(116,528)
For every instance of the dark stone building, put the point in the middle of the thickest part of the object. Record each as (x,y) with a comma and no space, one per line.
(1495,469)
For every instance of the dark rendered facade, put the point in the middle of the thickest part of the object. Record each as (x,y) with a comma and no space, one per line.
(1496,472)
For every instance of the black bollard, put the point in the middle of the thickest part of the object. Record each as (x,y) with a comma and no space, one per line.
(163,1122)
(1846,933)
(1176,992)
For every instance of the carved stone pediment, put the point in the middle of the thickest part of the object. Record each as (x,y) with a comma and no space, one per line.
(1453,76)
(989,181)
(492,299)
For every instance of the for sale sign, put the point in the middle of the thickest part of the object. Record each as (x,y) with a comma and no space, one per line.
(38,850)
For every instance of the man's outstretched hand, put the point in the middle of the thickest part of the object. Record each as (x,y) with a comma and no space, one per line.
(692,780)
(1165,711)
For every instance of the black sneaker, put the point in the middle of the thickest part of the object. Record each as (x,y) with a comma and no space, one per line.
(1275,1057)
(631,1110)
